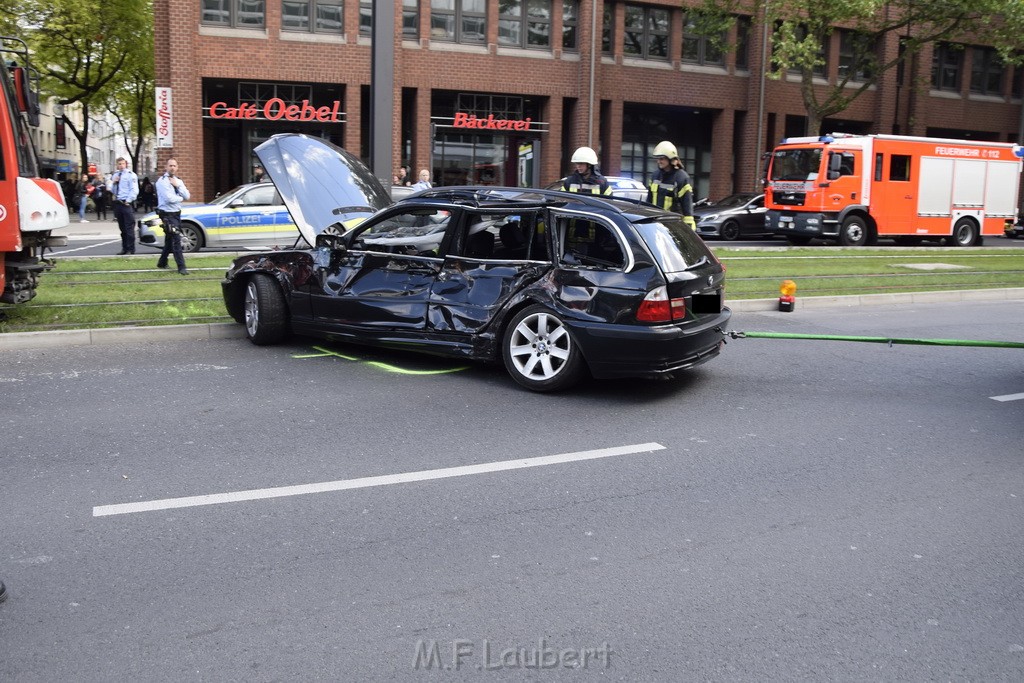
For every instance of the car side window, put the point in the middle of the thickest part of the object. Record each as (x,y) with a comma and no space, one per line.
(589,243)
(415,232)
(757,203)
(262,195)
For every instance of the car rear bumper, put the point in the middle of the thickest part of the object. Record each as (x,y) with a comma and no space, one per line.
(655,351)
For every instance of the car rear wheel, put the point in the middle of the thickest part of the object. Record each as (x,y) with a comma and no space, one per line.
(266,315)
(965,232)
(730,230)
(540,352)
(191,237)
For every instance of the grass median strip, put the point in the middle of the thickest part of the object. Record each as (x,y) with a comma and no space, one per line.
(94,292)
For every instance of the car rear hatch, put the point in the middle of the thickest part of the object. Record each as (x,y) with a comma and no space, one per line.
(321,184)
(692,272)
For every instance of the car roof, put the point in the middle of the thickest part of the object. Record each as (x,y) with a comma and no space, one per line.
(528,197)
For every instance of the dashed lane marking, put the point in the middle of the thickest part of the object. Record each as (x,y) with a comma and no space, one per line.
(367,482)
(1008,397)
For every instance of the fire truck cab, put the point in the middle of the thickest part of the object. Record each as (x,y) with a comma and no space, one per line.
(855,189)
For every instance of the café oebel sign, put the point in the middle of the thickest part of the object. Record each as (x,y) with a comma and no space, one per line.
(276,109)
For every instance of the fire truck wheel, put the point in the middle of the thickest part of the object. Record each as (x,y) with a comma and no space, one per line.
(854,232)
(730,230)
(965,233)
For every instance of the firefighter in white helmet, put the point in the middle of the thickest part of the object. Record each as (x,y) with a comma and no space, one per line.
(585,178)
(670,187)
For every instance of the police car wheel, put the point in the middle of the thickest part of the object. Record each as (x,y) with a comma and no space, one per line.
(191,238)
(540,352)
(266,314)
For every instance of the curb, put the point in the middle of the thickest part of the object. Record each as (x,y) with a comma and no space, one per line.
(13,341)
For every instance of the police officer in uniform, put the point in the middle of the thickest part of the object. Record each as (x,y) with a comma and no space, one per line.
(670,187)
(585,178)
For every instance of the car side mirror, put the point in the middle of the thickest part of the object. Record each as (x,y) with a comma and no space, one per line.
(236,203)
(330,241)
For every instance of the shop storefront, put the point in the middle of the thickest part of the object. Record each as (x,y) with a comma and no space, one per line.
(240,115)
(482,139)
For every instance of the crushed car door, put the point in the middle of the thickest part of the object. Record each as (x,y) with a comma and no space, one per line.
(491,257)
(384,278)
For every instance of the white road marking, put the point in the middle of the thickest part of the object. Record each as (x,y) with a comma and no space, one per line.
(1008,397)
(71,251)
(367,482)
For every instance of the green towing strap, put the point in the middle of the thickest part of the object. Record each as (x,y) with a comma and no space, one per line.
(879,340)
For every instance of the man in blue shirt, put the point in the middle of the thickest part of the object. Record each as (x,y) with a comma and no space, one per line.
(170,193)
(124,188)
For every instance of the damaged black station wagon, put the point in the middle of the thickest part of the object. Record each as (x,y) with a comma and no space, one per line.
(552,284)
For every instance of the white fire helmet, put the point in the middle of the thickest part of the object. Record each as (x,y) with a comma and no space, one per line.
(584,155)
(665,149)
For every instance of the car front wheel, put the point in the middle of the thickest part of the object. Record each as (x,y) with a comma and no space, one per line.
(540,352)
(266,314)
(191,238)
(730,231)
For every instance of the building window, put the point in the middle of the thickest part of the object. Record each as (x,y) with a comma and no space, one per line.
(234,13)
(1017,85)
(411,18)
(699,48)
(743,25)
(646,32)
(570,24)
(318,16)
(458,21)
(856,55)
(532,30)
(608,28)
(947,65)
(258,94)
(986,71)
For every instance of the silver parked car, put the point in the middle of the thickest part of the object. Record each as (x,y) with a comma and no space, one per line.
(738,215)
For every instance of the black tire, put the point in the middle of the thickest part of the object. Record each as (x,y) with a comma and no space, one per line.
(540,352)
(798,241)
(965,233)
(266,314)
(191,237)
(854,232)
(730,231)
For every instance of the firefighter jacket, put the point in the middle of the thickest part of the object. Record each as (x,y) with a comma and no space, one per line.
(671,190)
(595,183)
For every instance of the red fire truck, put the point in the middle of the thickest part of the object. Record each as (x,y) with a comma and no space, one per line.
(30,207)
(854,189)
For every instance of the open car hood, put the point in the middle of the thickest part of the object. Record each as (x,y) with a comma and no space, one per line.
(321,184)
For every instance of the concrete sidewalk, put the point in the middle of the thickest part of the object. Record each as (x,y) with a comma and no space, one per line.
(92,230)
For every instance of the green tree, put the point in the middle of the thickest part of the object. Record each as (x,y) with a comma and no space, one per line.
(802,29)
(132,98)
(82,47)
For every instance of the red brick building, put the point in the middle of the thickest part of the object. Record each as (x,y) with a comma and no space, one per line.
(557,76)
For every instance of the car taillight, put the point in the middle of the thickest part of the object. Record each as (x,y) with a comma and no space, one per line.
(658,308)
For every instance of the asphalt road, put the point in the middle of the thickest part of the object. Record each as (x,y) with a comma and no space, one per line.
(791,510)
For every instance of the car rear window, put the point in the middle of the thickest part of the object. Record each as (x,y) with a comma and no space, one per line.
(674,244)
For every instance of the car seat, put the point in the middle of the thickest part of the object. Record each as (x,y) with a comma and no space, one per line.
(513,239)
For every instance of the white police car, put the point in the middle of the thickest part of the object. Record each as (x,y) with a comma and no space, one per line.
(251,215)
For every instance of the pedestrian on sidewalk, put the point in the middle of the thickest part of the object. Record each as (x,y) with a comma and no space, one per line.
(124,189)
(81,196)
(99,196)
(170,193)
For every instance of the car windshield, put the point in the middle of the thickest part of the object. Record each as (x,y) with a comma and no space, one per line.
(674,244)
(796,164)
(732,201)
(224,197)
